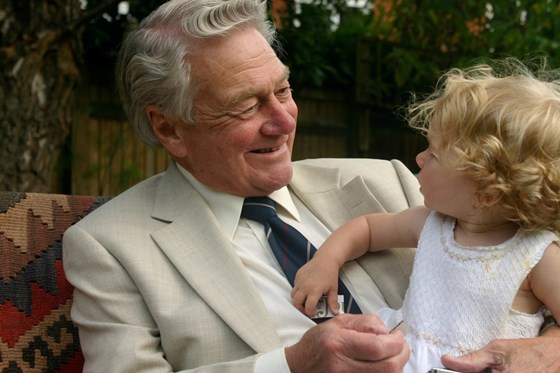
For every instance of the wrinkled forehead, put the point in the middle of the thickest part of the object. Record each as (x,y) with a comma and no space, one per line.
(234,68)
(243,51)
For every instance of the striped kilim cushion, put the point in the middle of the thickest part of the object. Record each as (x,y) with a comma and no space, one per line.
(36,333)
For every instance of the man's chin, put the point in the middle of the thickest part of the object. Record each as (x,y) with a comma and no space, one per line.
(277,180)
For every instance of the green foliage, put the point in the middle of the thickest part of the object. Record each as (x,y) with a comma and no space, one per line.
(410,44)
(413,42)
(319,53)
(103,35)
(405,47)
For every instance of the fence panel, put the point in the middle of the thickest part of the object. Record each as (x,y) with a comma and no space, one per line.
(108,157)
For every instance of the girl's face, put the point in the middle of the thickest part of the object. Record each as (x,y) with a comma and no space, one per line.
(445,189)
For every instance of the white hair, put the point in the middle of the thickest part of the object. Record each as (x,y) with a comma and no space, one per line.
(153,63)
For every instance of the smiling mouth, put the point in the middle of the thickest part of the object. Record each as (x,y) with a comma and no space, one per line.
(267,150)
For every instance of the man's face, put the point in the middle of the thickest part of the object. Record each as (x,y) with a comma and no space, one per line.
(245,117)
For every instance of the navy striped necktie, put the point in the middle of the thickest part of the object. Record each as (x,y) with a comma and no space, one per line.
(291,248)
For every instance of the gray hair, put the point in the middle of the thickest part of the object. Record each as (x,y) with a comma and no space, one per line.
(152,66)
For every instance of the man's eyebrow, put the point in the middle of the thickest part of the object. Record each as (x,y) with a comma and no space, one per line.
(285,75)
(253,91)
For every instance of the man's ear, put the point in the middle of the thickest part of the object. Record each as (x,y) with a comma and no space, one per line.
(167,132)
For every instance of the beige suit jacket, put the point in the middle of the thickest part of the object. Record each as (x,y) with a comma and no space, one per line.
(159,288)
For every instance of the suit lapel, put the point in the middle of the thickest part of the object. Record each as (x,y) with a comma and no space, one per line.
(321,191)
(206,259)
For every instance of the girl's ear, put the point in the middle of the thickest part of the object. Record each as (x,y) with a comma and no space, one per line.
(167,130)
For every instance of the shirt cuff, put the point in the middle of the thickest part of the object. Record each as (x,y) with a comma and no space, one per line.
(272,362)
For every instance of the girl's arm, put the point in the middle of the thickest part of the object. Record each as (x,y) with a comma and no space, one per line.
(544,279)
(371,232)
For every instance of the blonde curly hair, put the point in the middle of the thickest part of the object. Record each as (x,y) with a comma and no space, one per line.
(499,123)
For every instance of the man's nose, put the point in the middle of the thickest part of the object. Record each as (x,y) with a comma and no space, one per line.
(280,118)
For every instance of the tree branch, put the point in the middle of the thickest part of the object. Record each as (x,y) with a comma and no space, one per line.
(89,15)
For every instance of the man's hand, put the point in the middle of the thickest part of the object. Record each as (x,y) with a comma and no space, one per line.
(349,343)
(538,355)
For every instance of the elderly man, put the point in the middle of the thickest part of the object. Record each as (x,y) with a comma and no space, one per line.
(170,277)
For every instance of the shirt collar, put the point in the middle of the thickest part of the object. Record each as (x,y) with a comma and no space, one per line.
(227,207)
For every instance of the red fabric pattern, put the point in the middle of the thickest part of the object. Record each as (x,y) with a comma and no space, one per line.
(36,332)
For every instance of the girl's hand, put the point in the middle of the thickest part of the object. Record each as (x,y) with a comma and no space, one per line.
(313,280)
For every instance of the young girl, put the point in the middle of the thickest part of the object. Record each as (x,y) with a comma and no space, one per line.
(488,258)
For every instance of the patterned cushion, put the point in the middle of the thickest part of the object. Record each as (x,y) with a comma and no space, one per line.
(36,333)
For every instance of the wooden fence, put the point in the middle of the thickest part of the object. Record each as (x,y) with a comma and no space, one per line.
(108,157)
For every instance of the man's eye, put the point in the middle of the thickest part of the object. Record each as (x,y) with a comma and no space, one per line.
(282,92)
(250,109)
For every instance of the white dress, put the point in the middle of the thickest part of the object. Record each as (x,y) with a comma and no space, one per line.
(460,298)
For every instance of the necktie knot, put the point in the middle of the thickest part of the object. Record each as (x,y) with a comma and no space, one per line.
(260,209)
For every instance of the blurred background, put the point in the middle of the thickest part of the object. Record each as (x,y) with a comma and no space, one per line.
(354,65)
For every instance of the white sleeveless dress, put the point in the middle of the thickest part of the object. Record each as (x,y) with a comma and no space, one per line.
(460,298)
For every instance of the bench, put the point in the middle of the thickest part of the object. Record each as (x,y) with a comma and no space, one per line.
(36,332)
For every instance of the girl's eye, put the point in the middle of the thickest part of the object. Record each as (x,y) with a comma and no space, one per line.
(430,154)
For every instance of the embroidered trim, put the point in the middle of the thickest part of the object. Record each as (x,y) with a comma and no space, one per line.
(482,254)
